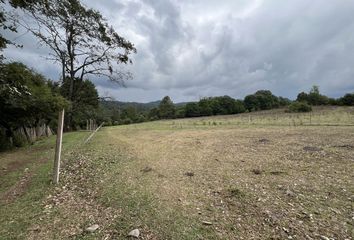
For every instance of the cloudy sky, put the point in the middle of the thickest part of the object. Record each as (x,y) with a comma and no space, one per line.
(191,49)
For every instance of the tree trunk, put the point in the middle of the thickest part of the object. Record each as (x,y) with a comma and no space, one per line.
(9,135)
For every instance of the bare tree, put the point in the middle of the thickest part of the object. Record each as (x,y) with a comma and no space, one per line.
(80,39)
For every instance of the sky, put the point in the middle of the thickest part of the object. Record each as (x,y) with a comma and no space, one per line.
(189,49)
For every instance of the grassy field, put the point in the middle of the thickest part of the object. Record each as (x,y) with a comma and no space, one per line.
(266,175)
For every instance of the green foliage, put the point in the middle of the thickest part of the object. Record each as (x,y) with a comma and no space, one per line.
(224,105)
(180,112)
(19,140)
(299,107)
(347,99)
(251,103)
(205,107)
(83,42)
(79,38)
(262,100)
(153,114)
(130,113)
(214,106)
(126,113)
(313,97)
(167,109)
(84,102)
(26,99)
(192,110)
(284,101)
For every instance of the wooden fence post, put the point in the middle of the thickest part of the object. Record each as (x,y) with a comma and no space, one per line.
(56,168)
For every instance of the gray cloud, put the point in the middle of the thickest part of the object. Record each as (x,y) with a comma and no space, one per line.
(191,49)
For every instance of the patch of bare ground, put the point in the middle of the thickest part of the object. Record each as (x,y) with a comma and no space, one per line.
(18,159)
(16,190)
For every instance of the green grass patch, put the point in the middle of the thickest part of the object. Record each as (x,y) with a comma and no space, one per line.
(19,212)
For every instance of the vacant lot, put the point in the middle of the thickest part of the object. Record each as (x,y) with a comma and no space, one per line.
(253,176)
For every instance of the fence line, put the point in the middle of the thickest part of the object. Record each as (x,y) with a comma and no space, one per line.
(93,133)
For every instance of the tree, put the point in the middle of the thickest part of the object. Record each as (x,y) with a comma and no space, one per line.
(266,100)
(284,101)
(129,115)
(3,40)
(5,25)
(302,97)
(84,103)
(80,39)
(227,105)
(313,97)
(261,100)
(251,103)
(180,112)
(315,90)
(192,110)
(347,99)
(205,107)
(167,109)
(26,99)
(239,107)
(153,114)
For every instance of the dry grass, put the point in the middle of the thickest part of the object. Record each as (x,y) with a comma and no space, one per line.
(296,192)
(183,179)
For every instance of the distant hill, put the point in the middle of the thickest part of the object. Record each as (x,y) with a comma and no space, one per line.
(139,106)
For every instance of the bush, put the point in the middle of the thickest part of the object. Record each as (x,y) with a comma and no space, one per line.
(19,140)
(127,121)
(299,107)
(347,100)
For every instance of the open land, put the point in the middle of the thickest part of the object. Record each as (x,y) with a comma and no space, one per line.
(266,175)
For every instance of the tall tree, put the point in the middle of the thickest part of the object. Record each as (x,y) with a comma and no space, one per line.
(84,102)
(192,110)
(167,109)
(5,25)
(79,38)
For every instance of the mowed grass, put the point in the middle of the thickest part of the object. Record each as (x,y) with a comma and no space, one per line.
(249,176)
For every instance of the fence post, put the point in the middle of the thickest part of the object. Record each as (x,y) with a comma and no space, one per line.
(58,147)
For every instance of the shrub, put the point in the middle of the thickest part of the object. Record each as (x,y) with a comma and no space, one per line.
(19,140)
(347,100)
(127,121)
(299,107)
